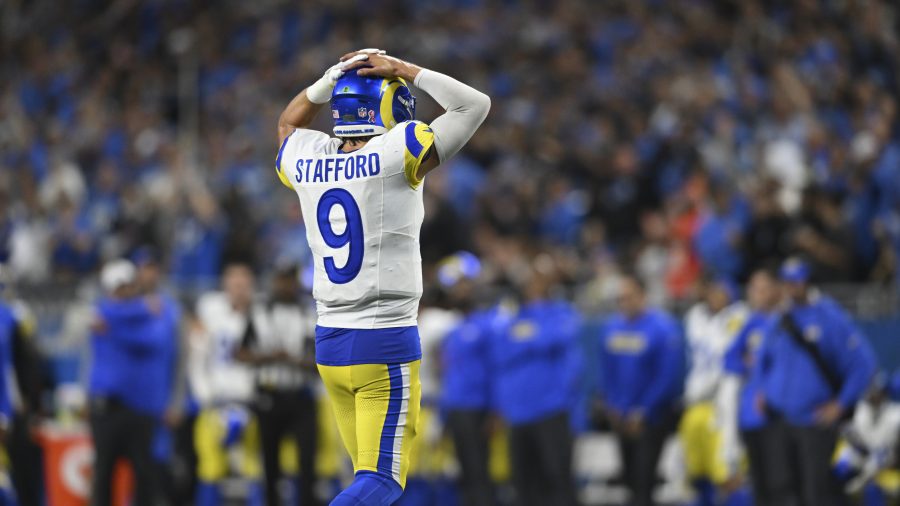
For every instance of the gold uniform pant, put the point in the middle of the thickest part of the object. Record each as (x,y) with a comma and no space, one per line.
(377,410)
(702,442)
(212,456)
(213,463)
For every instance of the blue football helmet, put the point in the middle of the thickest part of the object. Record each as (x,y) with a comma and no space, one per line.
(456,267)
(362,106)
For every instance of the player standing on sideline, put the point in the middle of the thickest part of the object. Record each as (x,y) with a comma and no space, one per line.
(123,417)
(466,380)
(164,371)
(277,343)
(639,406)
(740,419)
(710,327)
(8,327)
(530,350)
(223,388)
(814,366)
(361,197)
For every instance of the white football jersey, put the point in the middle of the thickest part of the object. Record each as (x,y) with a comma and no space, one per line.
(434,324)
(363,212)
(215,376)
(709,336)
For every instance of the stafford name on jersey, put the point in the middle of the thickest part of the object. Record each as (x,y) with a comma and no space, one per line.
(334,168)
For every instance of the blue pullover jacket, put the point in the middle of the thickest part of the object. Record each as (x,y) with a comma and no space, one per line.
(791,382)
(642,364)
(155,371)
(466,364)
(122,351)
(740,360)
(530,352)
(8,325)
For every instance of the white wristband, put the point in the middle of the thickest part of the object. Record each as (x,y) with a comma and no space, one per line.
(319,92)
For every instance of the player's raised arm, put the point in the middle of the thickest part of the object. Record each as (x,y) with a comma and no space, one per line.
(302,110)
(466,107)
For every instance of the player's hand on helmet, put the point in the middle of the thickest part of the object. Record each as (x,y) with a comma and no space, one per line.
(380,64)
(320,91)
(366,51)
(335,72)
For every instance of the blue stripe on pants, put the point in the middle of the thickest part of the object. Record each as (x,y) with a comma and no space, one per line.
(389,429)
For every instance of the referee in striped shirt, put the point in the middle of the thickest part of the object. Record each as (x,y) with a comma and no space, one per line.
(278,342)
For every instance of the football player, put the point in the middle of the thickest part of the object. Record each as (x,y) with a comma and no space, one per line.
(361,197)
(710,328)
(225,430)
(9,325)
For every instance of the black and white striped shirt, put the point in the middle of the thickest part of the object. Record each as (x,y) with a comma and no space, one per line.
(281,326)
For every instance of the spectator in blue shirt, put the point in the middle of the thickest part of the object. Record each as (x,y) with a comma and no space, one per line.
(198,244)
(718,237)
(814,367)
(532,390)
(75,250)
(123,408)
(641,376)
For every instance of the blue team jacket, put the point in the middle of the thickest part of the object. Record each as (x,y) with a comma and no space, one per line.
(740,359)
(8,325)
(642,363)
(791,382)
(155,370)
(530,353)
(124,354)
(466,367)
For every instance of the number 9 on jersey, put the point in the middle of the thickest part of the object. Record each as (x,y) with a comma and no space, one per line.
(352,235)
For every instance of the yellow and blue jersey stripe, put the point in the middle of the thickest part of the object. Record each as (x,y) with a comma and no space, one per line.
(281,176)
(390,451)
(419,139)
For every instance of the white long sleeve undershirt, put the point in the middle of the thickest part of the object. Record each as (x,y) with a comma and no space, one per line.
(466,108)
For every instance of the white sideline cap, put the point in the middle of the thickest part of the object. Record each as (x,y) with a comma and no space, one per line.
(117,273)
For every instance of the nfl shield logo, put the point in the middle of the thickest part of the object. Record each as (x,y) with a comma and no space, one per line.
(335,114)
(361,112)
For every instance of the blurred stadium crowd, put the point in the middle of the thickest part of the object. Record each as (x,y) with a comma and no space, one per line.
(675,137)
(690,143)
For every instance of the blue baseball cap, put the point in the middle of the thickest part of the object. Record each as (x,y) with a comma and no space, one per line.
(794,270)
